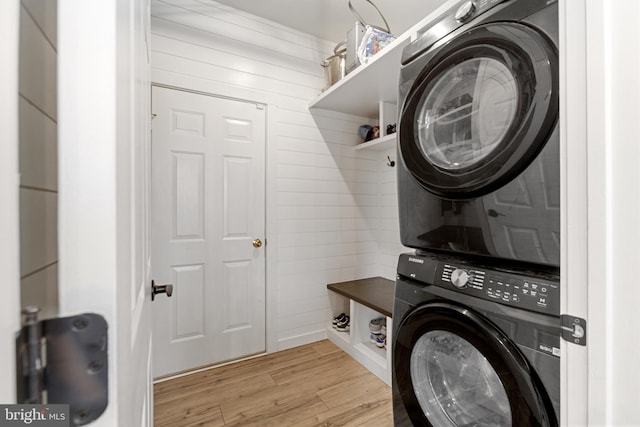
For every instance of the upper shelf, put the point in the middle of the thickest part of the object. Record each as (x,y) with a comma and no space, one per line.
(360,91)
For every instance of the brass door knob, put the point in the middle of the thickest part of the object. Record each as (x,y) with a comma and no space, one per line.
(257,243)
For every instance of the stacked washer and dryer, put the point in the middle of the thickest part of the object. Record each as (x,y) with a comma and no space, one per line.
(476,320)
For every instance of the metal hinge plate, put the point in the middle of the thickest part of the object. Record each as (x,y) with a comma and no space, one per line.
(64,361)
(574,329)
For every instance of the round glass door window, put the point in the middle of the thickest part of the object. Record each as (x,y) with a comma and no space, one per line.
(454,383)
(466,114)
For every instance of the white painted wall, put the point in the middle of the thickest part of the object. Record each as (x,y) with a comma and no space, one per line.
(388,228)
(38,156)
(329,209)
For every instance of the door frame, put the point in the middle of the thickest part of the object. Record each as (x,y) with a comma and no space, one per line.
(9,192)
(222,91)
(102,83)
(599,69)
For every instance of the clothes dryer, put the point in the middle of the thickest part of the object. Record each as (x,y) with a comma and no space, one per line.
(474,346)
(479,165)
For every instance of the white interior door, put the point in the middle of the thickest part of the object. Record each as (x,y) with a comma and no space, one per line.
(208,209)
(104,151)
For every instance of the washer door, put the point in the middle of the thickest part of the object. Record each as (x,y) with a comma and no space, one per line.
(454,368)
(483,106)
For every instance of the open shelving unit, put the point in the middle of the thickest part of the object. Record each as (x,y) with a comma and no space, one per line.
(364,300)
(378,144)
(360,91)
(371,90)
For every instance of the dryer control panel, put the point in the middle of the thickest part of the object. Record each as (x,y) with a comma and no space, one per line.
(536,293)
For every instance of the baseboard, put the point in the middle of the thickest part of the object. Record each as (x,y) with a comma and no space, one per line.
(298,340)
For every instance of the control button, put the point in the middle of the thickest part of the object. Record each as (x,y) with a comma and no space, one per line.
(534,293)
(543,290)
(465,11)
(459,278)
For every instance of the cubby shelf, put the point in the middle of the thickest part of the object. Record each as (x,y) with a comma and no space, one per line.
(378,144)
(364,300)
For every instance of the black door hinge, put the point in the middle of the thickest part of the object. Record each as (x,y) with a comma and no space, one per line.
(64,361)
(574,329)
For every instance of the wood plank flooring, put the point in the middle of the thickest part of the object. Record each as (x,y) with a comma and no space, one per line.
(312,385)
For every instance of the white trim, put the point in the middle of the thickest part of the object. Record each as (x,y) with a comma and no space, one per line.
(573,168)
(87,228)
(172,80)
(213,95)
(271,227)
(206,368)
(599,122)
(194,85)
(613,64)
(9,187)
(298,340)
(596,212)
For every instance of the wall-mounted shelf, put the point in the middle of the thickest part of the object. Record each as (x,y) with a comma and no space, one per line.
(379,144)
(360,91)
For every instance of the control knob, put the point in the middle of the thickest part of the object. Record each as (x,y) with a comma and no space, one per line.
(460,278)
(465,11)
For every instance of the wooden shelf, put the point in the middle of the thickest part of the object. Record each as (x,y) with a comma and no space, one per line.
(368,299)
(376,293)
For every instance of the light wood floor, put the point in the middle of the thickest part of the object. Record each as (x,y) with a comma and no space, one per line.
(312,385)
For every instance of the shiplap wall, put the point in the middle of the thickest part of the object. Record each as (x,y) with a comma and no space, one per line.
(38,156)
(329,210)
(388,228)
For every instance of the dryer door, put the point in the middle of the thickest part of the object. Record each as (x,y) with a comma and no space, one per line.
(481,109)
(455,368)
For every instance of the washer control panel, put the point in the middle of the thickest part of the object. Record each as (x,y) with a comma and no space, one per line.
(525,292)
(536,293)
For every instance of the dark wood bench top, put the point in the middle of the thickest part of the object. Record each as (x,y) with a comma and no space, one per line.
(376,293)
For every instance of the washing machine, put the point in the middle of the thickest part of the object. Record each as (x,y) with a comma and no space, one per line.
(479,161)
(474,345)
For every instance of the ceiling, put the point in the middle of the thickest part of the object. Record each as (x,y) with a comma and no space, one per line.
(331,19)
